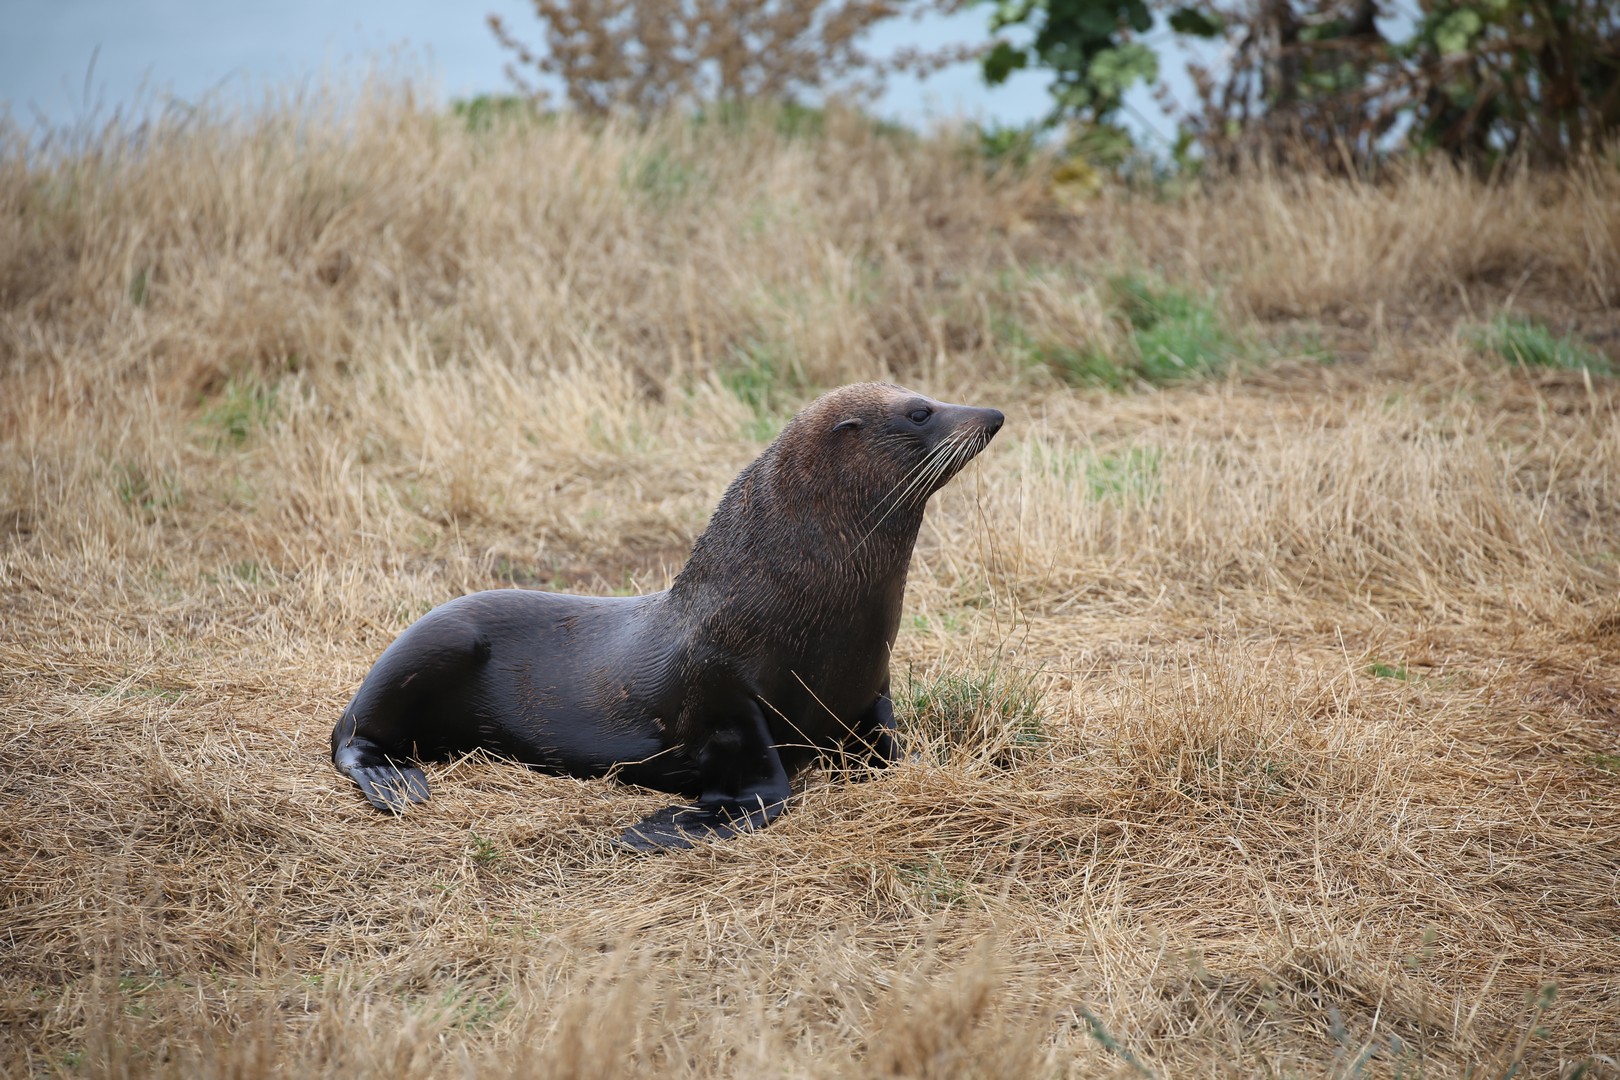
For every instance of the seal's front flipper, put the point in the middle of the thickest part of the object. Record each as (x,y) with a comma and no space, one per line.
(876,733)
(681,826)
(745,788)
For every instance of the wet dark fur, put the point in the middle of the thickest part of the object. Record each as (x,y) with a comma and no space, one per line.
(771,647)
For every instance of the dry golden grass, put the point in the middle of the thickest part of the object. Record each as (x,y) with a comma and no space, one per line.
(1265,725)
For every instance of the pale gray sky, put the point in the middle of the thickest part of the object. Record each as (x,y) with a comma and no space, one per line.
(186,48)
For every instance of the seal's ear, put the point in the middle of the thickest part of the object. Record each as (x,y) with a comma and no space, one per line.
(852,422)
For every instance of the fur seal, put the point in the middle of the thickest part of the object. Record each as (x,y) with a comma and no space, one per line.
(770,647)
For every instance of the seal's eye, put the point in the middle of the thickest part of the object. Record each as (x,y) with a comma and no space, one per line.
(920,416)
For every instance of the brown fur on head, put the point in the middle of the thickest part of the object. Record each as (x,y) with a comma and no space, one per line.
(888,447)
(851,472)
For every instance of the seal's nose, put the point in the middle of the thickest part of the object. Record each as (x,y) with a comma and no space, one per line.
(992,421)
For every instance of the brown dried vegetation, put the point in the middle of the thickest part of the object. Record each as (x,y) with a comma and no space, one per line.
(1264,725)
(642,56)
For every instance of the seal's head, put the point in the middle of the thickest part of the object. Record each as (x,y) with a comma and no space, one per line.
(883,448)
(849,475)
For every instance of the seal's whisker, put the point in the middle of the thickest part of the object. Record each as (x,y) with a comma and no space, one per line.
(942,457)
(939,464)
(920,478)
(923,479)
(905,482)
(926,485)
(942,461)
(896,495)
(958,449)
(971,445)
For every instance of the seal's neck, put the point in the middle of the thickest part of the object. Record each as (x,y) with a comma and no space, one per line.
(779,527)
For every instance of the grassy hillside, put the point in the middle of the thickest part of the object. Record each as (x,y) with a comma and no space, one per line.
(1263,677)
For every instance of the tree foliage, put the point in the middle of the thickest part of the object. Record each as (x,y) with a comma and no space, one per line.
(1542,76)
(1089,46)
(644,55)
(1343,82)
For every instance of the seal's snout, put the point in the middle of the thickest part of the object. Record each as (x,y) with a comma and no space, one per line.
(992,421)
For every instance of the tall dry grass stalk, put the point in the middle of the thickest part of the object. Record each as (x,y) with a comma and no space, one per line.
(1268,724)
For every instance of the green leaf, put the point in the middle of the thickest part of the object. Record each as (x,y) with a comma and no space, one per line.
(1002,61)
(1196,23)
(1115,70)
(1011,13)
(1073,97)
(1457,30)
(1095,21)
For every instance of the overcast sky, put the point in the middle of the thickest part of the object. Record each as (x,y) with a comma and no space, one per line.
(187,48)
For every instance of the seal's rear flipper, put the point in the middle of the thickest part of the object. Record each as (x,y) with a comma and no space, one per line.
(391,787)
(680,826)
(386,784)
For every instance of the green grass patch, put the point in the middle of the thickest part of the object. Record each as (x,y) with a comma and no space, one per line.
(932,883)
(1007,145)
(482,849)
(464,1008)
(147,494)
(662,178)
(140,693)
(1078,365)
(948,622)
(994,713)
(1390,671)
(1086,366)
(486,112)
(1165,335)
(1607,763)
(242,408)
(619,438)
(1130,474)
(1527,343)
(408,611)
(793,120)
(763,375)
(788,119)
(1299,343)
(1098,1031)
(1176,334)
